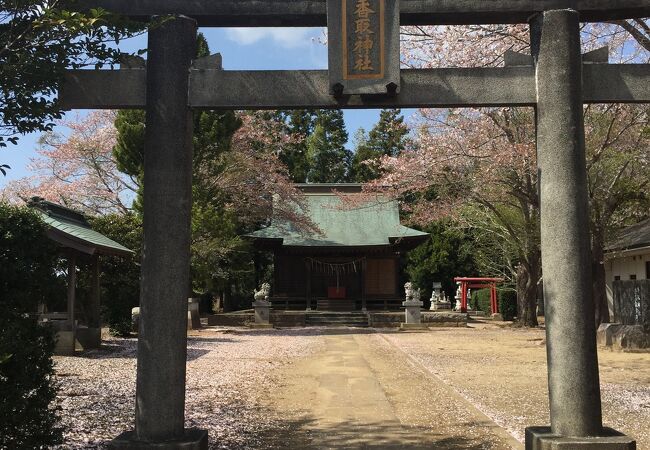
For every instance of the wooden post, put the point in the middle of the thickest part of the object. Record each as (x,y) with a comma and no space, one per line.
(363,285)
(493,298)
(72,285)
(95,319)
(463,296)
(308,284)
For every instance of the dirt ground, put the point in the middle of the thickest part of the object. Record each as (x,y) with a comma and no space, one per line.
(449,388)
(503,373)
(360,392)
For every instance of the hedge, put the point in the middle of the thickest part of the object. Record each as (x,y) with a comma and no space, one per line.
(507,302)
(28,418)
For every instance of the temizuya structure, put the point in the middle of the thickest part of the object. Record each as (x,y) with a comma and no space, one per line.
(557,80)
(351,262)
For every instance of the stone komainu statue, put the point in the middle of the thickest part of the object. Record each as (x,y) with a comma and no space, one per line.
(263,293)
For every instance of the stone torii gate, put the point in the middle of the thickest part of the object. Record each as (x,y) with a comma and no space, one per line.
(554,81)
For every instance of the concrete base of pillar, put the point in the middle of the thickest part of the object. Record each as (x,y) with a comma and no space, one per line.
(541,438)
(261,326)
(498,317)
(412,326)
(194,439)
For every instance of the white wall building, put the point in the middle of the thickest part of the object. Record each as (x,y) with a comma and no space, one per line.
(628,258)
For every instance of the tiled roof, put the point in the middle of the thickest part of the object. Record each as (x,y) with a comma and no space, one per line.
(631,237)
(70,228)
(374,223)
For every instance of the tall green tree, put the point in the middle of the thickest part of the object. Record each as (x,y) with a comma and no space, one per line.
(329,161)
(388,137)
(299,123)
(219,255)
(447,254)
(40,40)
(213,131)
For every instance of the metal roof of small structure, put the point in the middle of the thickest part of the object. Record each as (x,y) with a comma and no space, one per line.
(70,228)
(632,237)
(373,223)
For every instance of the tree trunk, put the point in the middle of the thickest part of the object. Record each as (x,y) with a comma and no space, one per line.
(599,285)
(227,298)
(527,278)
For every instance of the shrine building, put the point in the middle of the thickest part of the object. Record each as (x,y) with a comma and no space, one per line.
(351,262)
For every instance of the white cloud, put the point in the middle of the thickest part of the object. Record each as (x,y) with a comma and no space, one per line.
(285,37)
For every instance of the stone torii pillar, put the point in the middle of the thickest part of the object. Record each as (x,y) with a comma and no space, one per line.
(573,381)
(162,340)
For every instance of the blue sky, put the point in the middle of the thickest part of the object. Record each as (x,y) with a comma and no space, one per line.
(242,49)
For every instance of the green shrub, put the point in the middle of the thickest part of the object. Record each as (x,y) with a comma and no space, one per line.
(448,253)
(481,300)
(120,275)
(27,261)
(507,302)
(27,386)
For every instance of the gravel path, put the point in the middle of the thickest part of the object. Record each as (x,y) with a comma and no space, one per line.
(227,371)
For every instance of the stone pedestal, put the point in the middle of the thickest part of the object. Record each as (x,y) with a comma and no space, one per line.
(65,343)
(542,438)
(89,338)
(413,313)
(193,318)
(262,314)
(437,306)
(623,337)
(193,439)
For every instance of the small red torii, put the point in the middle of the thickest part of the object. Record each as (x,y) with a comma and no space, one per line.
(478,283)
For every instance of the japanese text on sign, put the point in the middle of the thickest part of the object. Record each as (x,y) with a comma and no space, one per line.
(364,35)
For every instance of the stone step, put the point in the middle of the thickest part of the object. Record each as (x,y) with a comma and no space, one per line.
(353,319)
(336,314)
(339,319)
(335,320)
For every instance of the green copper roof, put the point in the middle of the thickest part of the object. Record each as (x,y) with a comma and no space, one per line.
(71,229)
(372,224)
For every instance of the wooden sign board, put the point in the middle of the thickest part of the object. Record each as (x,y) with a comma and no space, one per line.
(363,41)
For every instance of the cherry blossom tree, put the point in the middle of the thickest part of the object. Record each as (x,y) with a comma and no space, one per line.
(75,167)
(480,166)
(251,176)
